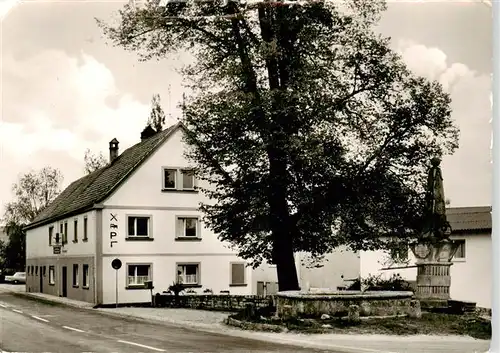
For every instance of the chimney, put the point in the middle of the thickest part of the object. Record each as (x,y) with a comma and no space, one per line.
(147,132)
(113,150)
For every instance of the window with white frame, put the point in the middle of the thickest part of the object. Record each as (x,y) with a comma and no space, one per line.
(187,180)
(138,226)
(169,179)
(138,274)
(460,254)
(85,279)
(65,234)
(75,275)
(188,227)
(75,231)
(178,179)
(52,275)
(61,234)
(188,274)
(85,235)
(51,234)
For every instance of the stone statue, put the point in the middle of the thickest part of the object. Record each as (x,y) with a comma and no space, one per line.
(435,244)
(435,250)
(437,226)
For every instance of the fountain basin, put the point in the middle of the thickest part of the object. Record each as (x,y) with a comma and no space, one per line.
(317,302)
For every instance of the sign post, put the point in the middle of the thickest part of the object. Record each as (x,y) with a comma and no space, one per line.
(116,264)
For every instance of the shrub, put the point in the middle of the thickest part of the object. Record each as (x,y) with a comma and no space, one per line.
(377,283)
(176,288)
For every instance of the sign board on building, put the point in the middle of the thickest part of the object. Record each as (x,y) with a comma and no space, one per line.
(57,250)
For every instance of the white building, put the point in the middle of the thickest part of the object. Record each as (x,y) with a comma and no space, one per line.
(143,210)
(471,272)
(337,271)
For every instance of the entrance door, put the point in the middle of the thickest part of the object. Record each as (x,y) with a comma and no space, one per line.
(64,281)
(41,279)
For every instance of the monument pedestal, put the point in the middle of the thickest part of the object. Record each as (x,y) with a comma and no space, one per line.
(433,272)
(433,284)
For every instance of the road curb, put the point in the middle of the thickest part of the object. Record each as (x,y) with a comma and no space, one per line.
(222,328)
(49,300)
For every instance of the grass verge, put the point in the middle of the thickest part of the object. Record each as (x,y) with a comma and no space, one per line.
(428,324)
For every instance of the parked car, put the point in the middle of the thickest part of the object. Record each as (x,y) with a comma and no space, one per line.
(18,277)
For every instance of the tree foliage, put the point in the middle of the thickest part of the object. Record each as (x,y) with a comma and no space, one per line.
(157,115)
(311,131)
(32,193)
(93,162)
(13,251)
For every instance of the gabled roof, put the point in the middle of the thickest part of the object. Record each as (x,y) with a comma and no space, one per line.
(469,218)
(84,193)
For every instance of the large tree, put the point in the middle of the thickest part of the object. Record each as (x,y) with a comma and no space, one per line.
(311,130)
(32,193)
(157,116)
(13,251)
(93,162)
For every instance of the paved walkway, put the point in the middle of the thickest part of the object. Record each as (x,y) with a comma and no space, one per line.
(33,326)
(54,299)
(213,322)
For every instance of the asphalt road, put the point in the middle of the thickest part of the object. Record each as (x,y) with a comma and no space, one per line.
(30,326)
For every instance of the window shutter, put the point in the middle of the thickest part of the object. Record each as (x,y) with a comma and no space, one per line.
(237,273)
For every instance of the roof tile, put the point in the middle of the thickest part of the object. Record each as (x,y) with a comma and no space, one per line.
(469,218)
(95,187)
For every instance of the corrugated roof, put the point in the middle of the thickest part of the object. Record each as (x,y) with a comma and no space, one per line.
(469,218)
(93,188)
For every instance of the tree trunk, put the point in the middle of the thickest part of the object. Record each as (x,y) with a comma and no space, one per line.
(285,261)
(281,229)
(282,234)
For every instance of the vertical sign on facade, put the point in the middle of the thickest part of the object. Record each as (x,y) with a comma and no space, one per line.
(113,225)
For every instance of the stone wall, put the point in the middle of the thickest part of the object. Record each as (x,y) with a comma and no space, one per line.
(367,304)
(213,301)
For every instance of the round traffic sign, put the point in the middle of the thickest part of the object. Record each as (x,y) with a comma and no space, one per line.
(116,264)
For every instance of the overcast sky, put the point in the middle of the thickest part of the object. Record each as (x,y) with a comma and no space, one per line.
(64,89)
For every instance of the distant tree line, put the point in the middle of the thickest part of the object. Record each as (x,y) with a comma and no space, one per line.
(33,192)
